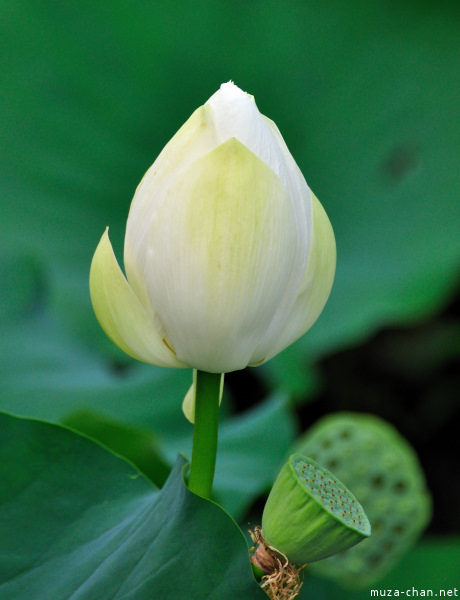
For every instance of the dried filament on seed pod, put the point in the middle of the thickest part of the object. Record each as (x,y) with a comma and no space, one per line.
(282,579)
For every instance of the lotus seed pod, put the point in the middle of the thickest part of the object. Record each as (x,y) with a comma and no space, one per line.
(384,473)
(310,514)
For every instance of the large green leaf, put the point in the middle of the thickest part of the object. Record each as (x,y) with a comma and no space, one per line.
(79,522)
(242,472)
(138,414)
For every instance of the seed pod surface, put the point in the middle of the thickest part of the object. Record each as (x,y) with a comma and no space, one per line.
(384,472)
(310,514)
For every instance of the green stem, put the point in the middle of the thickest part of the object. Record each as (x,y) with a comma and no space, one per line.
(207,396)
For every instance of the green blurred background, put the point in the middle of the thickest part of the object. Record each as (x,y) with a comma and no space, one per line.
(366,95)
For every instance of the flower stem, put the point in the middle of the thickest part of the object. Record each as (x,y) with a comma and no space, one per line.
(207,396)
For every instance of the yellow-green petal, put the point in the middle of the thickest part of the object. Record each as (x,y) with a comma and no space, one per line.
(188,404)
(319,276)
(121,314)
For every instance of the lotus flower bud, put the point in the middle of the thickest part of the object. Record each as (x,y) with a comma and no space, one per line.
(229,256)
(310,514)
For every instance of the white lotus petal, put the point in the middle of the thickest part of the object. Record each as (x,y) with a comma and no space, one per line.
(226,229)
(315,289)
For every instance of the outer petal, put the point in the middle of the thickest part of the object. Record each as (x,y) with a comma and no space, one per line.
(220,254)
(120,313)
(316,285)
